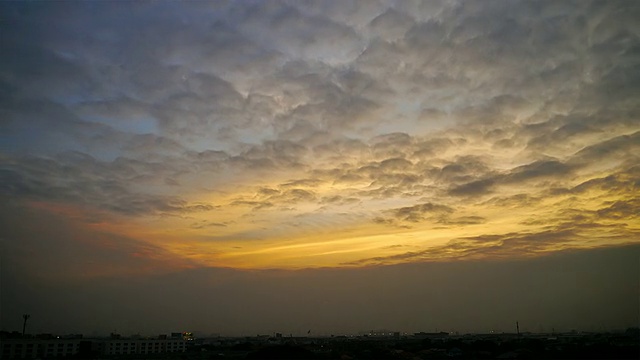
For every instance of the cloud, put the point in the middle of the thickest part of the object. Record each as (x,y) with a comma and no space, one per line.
(482,246)
(621,146)
(519,175)
(391,25)
(406,217)
(301,35)
(518,200)
(422,116)
(465,220)
(621,210)
(80,179)
(256,205)
(420,212)
(550,168)
(206,224)
(473,188)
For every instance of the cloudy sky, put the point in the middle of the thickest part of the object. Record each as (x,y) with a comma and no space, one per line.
(249,166)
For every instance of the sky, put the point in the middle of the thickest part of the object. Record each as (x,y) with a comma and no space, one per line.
(243,167)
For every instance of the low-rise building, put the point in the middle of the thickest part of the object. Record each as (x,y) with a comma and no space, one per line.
(38,348)
(30,348)
(141,346)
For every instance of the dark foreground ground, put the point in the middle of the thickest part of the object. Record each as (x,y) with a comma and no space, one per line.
(624,345)
(619,345)
(591,346)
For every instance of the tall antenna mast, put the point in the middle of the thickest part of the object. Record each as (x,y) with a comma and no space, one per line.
(24,324)
(518,328)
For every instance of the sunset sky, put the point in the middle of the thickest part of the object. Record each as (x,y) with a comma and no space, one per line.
(249,166)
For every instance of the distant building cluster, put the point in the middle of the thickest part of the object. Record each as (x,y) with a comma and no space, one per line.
(375,344)
(47,346)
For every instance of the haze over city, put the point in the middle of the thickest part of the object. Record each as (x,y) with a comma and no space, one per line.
(319,167)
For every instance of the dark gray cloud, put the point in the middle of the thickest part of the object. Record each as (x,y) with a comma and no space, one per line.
(465,220)
(419,212)
(490,245)
(476,187)
(538,169)
(621,147)
(522,174)
(621,210)
(80,179)
(519,200)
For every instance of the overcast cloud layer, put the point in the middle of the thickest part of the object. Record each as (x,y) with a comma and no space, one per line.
(151,137)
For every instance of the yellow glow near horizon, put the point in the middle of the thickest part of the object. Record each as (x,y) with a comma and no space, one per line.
(268,241)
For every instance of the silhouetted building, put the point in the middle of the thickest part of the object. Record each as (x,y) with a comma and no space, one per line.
(141,346)
(434,335)
(58,348)
(38,348)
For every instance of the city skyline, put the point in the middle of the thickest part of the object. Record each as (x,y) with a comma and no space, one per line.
(325,164)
